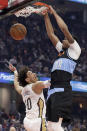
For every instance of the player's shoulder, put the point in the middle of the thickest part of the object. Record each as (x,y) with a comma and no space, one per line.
(75,44)
(27,87)
(75,47)
(74,50)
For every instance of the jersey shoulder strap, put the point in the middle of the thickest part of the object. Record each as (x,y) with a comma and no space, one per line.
(26,89)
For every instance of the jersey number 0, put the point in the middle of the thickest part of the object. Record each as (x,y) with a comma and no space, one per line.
(40,104)
(28,103)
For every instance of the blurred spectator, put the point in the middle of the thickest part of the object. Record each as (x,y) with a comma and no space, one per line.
(76,128)
(13,61)
(12,129)
(84,126)
(0,127)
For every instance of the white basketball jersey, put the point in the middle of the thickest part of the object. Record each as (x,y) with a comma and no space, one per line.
(35,103)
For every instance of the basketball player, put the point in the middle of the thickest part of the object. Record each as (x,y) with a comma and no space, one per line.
(32,93)
(59,99)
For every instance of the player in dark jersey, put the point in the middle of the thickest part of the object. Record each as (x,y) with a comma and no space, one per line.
(59,100)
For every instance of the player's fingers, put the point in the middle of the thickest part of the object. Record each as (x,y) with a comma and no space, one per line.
(51,9)
(44,12)
(14,68)
(10,65)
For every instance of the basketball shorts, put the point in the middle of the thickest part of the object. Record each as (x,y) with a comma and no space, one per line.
(37,124)
(59,104)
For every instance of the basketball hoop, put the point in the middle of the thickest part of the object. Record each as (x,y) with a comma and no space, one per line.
(37,8)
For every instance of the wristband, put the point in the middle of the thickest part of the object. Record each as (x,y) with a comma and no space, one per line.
(59,46)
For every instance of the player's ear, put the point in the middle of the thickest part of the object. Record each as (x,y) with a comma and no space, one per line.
(27,79)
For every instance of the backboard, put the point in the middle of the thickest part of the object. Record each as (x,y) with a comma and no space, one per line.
(8,7)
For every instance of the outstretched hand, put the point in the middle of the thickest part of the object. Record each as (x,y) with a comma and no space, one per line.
(44,12)
(51,10)
(12,68)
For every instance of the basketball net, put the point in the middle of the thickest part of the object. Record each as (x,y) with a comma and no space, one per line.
(37,8)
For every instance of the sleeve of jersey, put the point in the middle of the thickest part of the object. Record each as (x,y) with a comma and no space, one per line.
(59,46)
(74,50)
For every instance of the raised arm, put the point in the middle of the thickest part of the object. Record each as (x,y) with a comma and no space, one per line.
(62,26)
(50,31)
(18,88)
(40,85)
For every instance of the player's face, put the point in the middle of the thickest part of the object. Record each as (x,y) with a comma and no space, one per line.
(31,77)
(66,43)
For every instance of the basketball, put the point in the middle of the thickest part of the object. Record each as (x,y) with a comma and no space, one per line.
(18,31)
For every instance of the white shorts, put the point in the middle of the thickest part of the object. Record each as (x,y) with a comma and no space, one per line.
(32,124)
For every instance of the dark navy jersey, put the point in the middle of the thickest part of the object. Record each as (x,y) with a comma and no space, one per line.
(62,70)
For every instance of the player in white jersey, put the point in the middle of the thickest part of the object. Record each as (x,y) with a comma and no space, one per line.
(26,83)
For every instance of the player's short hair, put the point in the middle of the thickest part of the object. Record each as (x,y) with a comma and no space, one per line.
(22,75)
